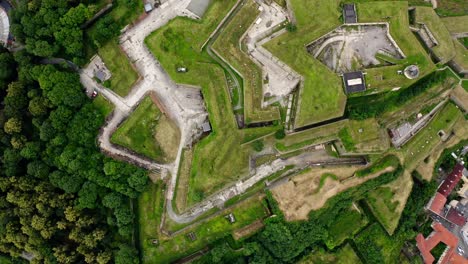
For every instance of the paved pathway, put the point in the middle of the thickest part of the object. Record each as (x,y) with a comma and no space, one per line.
(281,78)
(187,111)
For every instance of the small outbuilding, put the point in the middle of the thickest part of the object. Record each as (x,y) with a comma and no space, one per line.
(354,82)
(230,217)
(148,7)
(206,127)
(349,13)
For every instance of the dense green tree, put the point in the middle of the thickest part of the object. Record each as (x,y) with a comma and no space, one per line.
(7,66)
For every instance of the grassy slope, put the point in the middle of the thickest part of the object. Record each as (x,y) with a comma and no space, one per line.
(123,74)
(227,46)
(371,139)
(458,24)
(346,226)
(445,50)
(375,238)
(344,255)
(385,201)
(138,132)
(421,144)
(452,8)
(387,77)
(171,249)
(218,158)
(103,105)
(150,211)
(322,96)
(461,56)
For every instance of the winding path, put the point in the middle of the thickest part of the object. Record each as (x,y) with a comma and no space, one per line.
(188,114)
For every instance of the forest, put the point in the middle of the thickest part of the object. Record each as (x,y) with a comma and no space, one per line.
(61,200)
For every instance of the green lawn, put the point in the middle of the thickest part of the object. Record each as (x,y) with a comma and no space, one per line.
(458,24)
(321,96)
(148,132)
(396,14)
(452,8)
(461,55)
(344,255)
(104,106)
(123,74)
(421,145)
(219,158)
(465,85)
(227,46)
(368,136)
(346,226)
(444,50)
(171,249)
(150,211)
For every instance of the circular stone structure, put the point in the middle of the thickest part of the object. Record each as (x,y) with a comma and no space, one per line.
(4,26)
(411,72)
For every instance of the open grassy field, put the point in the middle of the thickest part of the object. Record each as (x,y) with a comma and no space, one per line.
(219,158)
(388,201)
(376,246)
(171,249)
(321,96)
(228,47)
(461,55)
(421,145)
(348,224)
(452,8)
(104,106)
(123,74)
(344,255)
(368,136)
(445,49)
(457,24)
(396,14)
(149,132)
(150,211)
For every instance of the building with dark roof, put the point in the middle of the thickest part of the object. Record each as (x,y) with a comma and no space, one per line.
(354,82)
(455,217)
(452,180)
(349,13)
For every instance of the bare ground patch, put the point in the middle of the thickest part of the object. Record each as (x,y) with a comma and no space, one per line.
(297,197)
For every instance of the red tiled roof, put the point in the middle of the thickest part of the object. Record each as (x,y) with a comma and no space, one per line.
(455,217)
(440,234)
(451,181)
(438,203)
(451,257)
